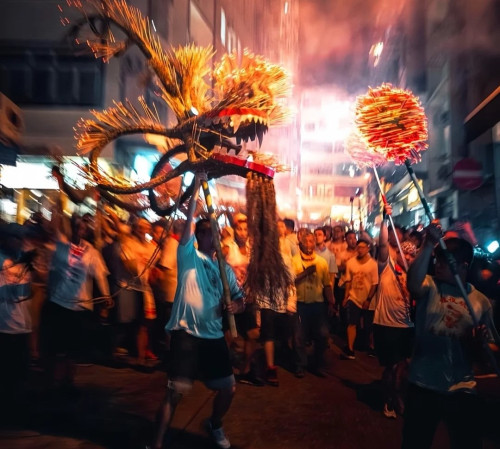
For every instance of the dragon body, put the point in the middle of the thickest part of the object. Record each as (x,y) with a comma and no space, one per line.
(241,102)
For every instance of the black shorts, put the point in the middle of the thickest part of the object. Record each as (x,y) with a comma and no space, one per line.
(245,321)
(273,324)
(194,358)
(353,313)
(14,354)
(392,344)
(63,330)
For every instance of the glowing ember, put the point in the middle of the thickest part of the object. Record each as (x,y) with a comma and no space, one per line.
(361,154)
(392,122)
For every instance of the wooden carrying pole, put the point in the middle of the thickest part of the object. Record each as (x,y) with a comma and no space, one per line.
(384,199)
(220,259)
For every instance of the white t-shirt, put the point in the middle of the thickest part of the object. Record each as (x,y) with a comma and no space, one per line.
(392,304)
(337,248)
(287,251)
(73,266)
(362,277)
(342,260)
(330,259)
(238,261)
(441,361)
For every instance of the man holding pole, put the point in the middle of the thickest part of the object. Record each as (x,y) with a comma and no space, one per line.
(441,376)
(198,348)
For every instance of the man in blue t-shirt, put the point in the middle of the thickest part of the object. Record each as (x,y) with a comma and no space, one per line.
(441,378)
(197,346)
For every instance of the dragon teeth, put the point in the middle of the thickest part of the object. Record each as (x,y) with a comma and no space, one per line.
(236,120)
(260,135)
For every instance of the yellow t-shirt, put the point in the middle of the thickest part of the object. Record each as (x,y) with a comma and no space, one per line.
(310,290)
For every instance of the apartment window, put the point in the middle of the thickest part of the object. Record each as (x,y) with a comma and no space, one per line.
(50,76)
(320,191)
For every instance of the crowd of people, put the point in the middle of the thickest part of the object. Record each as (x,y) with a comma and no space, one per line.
(156,290)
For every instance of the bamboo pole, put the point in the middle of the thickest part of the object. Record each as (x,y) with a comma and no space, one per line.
(218,251)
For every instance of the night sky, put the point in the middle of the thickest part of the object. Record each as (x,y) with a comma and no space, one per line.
(336,36)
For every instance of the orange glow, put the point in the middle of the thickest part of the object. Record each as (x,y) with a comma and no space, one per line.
(360,154)
(392,122)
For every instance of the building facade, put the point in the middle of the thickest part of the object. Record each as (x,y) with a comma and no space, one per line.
(331,188)
(463,67)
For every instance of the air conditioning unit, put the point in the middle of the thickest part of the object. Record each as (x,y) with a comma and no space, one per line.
(11,120)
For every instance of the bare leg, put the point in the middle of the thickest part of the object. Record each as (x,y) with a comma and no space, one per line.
(269,351)
(250,347)
(165,415)
(222,402)
(351,336)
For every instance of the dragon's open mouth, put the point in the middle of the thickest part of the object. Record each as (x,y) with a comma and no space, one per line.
(242,123)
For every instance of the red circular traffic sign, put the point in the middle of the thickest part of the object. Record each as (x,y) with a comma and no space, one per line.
(468,174)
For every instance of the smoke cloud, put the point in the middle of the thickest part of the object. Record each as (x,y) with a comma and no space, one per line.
(336,35)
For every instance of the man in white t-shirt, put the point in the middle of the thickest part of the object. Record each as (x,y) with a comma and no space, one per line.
(393,325)
(73,266)
(441,378)
(361,279)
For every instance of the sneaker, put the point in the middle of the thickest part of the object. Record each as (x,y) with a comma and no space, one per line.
(388,413)
(150,355)
(371,352)
(217,435)
(272,377)
(121,352)
(348,354)
(250,379)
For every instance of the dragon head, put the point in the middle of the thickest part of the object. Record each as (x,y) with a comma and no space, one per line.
(241,102)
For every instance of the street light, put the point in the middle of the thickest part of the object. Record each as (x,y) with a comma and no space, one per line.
(492,246)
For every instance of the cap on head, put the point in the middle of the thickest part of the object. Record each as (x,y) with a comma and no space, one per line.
(461,249)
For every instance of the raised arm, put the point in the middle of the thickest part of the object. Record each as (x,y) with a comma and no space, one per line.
(383,240)
(188,230)
(58,222)
(418,269)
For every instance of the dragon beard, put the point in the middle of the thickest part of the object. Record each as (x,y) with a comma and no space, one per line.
(267,276)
